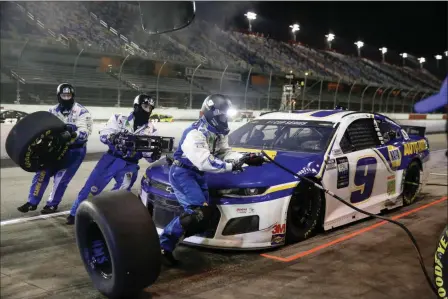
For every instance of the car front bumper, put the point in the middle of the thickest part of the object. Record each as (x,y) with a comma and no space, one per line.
(234,226)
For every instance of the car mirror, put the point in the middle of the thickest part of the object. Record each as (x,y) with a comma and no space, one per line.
(160,17)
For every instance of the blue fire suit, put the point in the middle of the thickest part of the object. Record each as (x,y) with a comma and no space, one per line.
(81,121)
(112,164)
(201,149)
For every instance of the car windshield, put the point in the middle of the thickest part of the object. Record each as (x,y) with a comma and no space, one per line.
(286,135)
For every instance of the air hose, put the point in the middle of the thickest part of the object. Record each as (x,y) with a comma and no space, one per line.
(414,242)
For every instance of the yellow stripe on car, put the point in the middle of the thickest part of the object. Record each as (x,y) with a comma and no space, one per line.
(271,154)
(281,187)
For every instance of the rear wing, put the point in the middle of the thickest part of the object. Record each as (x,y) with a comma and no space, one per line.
(414,130)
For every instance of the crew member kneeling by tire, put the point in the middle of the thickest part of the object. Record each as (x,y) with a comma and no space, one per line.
(191,160)
(78,128)
(119,162)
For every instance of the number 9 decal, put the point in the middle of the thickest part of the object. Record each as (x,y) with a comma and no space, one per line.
(364,179)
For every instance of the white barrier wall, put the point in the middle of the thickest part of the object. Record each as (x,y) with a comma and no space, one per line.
(175,130)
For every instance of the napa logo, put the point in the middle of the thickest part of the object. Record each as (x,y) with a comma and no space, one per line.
(394,156)
(415,147)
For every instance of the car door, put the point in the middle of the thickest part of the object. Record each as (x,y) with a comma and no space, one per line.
(355,171)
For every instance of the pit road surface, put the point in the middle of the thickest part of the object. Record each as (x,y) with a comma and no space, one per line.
(39,259)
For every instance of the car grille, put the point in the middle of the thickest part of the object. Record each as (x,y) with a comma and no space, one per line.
(161,186)
(165,210)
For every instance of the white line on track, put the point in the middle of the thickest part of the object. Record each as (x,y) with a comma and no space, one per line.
(28,219)
(441,174)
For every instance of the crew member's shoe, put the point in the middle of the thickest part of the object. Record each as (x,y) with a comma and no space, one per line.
(70,220)
(27,207)
(49,209)
(168,259)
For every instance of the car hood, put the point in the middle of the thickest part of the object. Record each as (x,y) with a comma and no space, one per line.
(268,174)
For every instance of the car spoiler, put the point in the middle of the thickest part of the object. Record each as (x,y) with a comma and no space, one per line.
(414,130)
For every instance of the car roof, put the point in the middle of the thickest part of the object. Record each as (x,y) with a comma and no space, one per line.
(333,115)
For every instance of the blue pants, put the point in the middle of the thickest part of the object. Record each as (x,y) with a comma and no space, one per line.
(62,177)
(108,167)
(191,191)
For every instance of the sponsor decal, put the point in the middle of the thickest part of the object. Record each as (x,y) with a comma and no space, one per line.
(440,266)
(343,172)
(337,152)
(286,122)
(391,185)
(415,147)
(278,239)
(94,189)
(245,210)
(394,156)
(331,164)
(279,229)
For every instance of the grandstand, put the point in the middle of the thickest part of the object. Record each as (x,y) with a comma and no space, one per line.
(110,59)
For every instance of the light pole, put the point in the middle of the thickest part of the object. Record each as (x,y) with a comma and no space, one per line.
(404,55)
(294,29)
(359,44)
(438,57)
(330,37)
(383,53)
(421,60)
(250,17)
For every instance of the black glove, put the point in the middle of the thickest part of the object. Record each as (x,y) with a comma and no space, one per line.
(254,159)
(237,165)
(156,155)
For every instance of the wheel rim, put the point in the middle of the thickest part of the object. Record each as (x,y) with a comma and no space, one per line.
(44,149)
(301,209)
(412,183)
(99,259)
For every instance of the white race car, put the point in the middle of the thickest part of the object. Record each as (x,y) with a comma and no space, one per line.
(367,159)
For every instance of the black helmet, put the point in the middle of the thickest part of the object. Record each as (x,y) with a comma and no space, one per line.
(143,106)
(215,111)
(66,96)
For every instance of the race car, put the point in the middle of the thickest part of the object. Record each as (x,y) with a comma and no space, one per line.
(11,116)
(161,118)
(366,158)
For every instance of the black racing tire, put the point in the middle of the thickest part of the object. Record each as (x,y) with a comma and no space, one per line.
(34,142)
(118,243)
(441,265)
(411,183)
(305,213)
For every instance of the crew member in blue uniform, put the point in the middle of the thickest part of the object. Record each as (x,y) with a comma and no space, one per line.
(203,148)
(79,121)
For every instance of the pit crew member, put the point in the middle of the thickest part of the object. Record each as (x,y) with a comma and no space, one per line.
(202,148)
(79,125)
(119,162)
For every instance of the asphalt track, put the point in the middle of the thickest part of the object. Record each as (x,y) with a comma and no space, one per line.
(369,259)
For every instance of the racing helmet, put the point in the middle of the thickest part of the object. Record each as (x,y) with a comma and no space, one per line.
(65,94)
(215,110)
(143,106)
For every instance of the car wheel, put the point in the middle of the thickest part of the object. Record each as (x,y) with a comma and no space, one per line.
(411,183)
(34,142)
(305,213)
(118,243)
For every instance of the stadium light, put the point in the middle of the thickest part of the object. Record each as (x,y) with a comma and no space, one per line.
(383,53)
(294,29)
(359,44)
(330,37)
(438,57)
(446,53)
(404,55)
(421,60)
(250,17)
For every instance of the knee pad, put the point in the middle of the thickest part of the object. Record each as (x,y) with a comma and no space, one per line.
(197,221)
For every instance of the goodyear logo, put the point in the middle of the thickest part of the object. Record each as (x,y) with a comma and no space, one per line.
(415,147)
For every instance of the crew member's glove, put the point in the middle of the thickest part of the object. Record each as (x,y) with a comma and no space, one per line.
(156,155)
(69,134)
(253,159)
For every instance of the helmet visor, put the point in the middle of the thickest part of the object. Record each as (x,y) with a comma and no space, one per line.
(66,96)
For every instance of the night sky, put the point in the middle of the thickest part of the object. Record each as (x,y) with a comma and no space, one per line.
(418,28)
